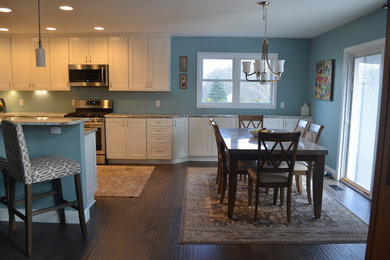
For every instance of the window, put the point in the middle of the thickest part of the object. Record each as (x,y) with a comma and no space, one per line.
(221,83)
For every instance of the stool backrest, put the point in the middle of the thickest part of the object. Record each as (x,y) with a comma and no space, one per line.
(16,150)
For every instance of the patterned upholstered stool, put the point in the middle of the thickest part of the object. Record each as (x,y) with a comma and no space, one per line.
(37,170)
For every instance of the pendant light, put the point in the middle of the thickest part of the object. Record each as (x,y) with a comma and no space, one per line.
(40,52)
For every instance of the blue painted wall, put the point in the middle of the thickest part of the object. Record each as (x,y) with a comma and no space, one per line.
(331,45)
(291,89)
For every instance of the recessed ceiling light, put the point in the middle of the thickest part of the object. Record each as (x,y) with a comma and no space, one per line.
(66,8)
(4,29)
(98,28)
(5,10)
(51,28)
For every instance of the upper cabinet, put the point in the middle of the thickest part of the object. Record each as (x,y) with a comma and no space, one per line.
(59,55)
(26,75)
(149,63)
(5,64)
(118,63)
(88,50)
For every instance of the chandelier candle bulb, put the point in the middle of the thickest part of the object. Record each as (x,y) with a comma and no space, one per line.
(246,66)
(279,66)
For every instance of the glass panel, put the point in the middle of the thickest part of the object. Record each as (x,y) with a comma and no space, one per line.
(363,121)
(242,74)
(217,92)
(85,75)
(253,92)
(221,69)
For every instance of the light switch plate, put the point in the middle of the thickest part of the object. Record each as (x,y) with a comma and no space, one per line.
(73,102)
(157,103)
(281,104)
(21,102)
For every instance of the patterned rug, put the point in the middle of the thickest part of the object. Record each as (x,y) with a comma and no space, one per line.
(122,181)
(205,220)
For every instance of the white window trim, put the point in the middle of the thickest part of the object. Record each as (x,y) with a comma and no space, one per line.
(236,79)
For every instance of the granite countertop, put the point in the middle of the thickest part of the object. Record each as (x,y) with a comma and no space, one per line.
(33,114)
(88,131)
(44,120)
(144,115)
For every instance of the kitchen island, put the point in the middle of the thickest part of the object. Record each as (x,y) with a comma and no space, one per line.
(52,136)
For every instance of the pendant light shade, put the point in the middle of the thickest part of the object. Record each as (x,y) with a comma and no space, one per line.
(40,52)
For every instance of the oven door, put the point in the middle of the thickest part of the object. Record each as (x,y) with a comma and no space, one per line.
(100,136)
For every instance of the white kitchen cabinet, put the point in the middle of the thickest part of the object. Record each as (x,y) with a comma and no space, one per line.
(273,123)
(88,50)
(288,122)
(149,63)
(90,168)
(26,75)
(180,137)
(201,134)
(118,63)
(59,56)
(5,64)
(126,138)
(159,138)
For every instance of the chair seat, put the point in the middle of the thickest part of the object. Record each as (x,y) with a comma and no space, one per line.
(300,166)
(3,164)
(267,177)
(52,167)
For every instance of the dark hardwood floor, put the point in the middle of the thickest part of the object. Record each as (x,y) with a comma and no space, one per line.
(149,228)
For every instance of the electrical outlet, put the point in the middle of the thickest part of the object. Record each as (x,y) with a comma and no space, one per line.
(21,102)
(157,103)
(73,102)
(281,104)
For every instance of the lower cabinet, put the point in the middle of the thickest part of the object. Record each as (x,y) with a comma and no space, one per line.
(287,123)
(90,168)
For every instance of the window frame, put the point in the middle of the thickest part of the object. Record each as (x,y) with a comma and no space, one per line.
(236,79)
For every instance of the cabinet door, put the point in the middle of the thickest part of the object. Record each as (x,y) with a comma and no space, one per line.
(159,64)
(59,56)
(5,64)
(21,63)
(200,137)
(116,131)
(40,76)
(180,137)
(139,61)
(274,123)
(223,122)
(90,167)
(78,50)
(290,124)
(136,138)
(98,50)
(118,63)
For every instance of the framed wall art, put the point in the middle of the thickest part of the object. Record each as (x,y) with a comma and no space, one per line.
(324,80)
(183,63)
(183,81)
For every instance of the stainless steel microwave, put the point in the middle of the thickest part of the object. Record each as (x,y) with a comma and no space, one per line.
(88,75)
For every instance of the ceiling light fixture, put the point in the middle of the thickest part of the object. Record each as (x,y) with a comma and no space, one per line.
(51,28)
(265,70)
(40,52)
(5,10)
(4,29)
(98,28)
(66,8)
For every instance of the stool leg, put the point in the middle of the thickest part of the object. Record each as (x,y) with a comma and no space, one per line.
(11,207)
(28,214)
(79,195)
(56,183)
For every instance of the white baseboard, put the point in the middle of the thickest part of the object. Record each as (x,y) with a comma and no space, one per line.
(332,172)
(71,216)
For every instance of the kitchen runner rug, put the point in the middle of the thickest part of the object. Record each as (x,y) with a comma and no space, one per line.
(122,181)
(205,220)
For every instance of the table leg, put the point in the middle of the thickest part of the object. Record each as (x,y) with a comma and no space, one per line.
(318,184)
(232,184)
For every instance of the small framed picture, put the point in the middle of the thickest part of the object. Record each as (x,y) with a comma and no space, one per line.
(183,81)
(183,63)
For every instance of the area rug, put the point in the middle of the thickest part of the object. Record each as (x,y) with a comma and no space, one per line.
(205,220)
(122,181)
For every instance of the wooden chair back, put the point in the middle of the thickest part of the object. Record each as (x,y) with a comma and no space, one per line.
(221,147)
(277,152)
(314,132)
(302,127)
(250,121)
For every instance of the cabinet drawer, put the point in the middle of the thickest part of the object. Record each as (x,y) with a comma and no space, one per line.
(159,151)
(159,122)
(159,138)
(155,130)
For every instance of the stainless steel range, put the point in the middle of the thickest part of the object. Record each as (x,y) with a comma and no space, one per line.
(94,110)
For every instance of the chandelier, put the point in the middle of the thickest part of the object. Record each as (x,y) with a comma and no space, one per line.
(265,70)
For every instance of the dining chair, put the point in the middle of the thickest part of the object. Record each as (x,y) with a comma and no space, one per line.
(36,170)
(304,168)
(250,121)
(275,166)
(302,127)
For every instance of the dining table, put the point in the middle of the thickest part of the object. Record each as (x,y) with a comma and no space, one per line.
(242,145)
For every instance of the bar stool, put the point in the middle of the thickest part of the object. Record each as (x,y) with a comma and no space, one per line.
(36,170)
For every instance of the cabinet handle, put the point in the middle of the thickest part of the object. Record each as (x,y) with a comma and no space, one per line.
(150,84)
(9,85)
(86,59)
(110,85)
(90,60)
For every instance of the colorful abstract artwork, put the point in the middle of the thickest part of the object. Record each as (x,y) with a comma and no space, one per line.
(324,80)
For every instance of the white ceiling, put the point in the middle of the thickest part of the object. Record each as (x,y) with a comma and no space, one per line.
(243,18)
